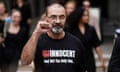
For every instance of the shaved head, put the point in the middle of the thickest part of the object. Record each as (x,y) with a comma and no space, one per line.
(54,6)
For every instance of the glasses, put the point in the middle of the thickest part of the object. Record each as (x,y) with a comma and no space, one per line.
(54,17)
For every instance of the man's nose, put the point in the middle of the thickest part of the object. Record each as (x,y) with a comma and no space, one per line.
(58,20)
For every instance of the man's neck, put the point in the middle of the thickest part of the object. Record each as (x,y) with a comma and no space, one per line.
(56,36)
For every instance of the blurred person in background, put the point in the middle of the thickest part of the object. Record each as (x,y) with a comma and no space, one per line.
(70,6)
(26,13)
(43,16)
(25,10)
(13,41)
(78,26)
(86,4)
(3,16)
(94,17)
(3,10)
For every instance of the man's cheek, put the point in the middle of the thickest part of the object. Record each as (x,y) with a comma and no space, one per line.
(63,22)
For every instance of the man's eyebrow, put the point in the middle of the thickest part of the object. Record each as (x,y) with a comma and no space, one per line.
(53,15)
(62,15)
(58,15)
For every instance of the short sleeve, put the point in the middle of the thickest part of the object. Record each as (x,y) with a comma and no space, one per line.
(95,40)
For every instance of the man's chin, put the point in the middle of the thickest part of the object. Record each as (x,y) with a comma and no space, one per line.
(57,31)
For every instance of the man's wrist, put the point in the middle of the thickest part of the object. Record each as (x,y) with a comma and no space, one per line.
(36,33)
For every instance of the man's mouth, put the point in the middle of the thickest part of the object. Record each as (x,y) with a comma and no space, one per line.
(57,25)
(57,28)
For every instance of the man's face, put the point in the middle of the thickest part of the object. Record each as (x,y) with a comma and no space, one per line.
(56,16)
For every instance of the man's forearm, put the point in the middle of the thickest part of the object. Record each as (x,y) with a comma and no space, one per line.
(29,49)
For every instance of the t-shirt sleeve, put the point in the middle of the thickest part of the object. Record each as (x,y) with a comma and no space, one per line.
(114,64)
(95,40)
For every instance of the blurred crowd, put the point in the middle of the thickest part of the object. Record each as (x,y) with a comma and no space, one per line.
(14,32)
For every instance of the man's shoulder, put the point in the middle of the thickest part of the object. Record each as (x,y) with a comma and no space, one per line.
(43,37)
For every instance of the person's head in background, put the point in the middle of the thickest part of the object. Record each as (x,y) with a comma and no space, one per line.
(43,16)
(85,17)
(86,4)
(78,17)
(16,17)
(20,1)
(70,6)
(3,10)
(56,16)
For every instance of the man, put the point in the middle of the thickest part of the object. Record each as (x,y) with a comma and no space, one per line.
(56,51)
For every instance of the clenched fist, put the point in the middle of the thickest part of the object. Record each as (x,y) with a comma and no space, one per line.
(42,27)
